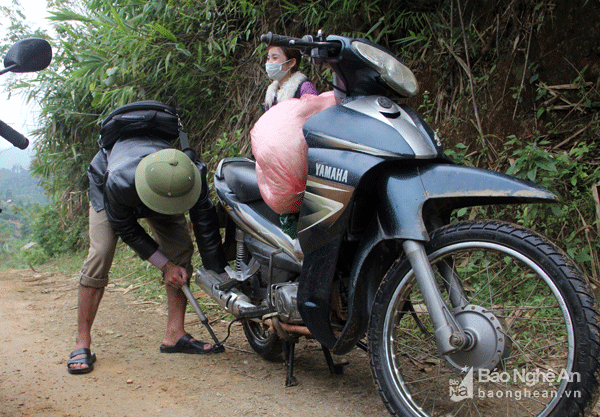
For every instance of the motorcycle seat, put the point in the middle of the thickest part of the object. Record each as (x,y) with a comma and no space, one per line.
(240,177)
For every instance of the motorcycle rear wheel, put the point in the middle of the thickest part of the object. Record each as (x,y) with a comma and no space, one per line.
(532,314)
(266,344)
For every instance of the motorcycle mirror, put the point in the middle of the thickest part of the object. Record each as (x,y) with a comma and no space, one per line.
(28,55)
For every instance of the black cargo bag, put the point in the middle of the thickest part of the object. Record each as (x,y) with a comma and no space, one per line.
(141,118)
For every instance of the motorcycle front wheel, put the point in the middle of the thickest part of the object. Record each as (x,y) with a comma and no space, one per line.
(530,316)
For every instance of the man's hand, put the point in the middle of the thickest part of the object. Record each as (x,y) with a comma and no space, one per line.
(173,275)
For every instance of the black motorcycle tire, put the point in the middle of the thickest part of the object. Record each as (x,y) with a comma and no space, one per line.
(266,344)
(414,379)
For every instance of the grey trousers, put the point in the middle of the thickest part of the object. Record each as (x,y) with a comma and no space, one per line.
(171,233)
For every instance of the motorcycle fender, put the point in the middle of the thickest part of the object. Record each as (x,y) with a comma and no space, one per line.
(408,198)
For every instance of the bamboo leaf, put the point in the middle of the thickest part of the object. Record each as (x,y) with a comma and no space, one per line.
(164,32)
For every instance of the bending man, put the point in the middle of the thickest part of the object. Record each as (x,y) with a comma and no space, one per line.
(146,178)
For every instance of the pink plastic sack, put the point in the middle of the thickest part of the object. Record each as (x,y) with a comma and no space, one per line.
(281,152)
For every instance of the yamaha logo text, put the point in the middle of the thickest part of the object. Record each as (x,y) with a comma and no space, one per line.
(331,173)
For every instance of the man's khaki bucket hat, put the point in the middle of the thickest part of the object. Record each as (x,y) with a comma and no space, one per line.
(168,182)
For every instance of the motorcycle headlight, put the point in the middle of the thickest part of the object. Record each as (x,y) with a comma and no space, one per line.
(395,74)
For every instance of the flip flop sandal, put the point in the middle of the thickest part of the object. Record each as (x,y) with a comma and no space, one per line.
(186,345)
(88,359)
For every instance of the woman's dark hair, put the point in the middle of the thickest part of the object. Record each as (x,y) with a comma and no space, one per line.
(292,53)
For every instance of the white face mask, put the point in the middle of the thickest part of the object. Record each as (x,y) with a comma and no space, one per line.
(275,71)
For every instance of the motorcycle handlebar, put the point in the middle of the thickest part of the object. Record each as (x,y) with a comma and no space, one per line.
(277,40)
(305,44)
(13,136)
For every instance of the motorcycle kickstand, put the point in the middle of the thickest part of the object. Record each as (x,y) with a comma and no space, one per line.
(334,369)
(288,349)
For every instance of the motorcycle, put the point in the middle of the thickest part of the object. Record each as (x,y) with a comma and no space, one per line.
(480,317)
(26,55)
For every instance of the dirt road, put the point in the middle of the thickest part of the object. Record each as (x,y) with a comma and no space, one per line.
(131,377)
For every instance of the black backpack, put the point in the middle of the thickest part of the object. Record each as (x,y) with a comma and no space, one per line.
(141,118)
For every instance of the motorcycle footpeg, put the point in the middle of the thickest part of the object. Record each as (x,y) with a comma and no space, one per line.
(254,313)
(227,285)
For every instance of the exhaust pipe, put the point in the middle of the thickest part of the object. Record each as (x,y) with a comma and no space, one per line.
(233,301)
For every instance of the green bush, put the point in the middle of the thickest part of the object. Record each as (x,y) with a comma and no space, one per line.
(54,235)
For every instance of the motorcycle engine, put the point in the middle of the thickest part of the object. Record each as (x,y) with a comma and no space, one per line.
(284,297)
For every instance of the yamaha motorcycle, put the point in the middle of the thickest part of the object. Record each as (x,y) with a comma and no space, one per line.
(26,55)
(479,317)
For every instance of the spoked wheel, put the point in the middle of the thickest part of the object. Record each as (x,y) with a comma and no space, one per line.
(531,320)
(266,344)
